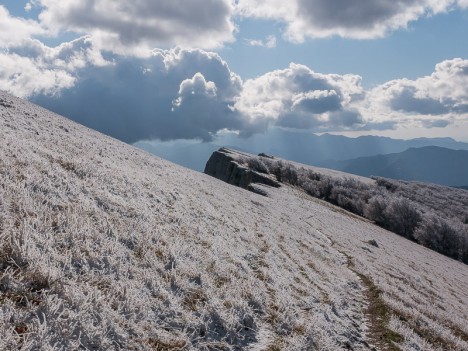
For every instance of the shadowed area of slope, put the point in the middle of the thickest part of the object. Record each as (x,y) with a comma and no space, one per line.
(103,246)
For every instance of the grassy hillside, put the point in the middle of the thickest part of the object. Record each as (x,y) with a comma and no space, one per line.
(432,215)
(105,247)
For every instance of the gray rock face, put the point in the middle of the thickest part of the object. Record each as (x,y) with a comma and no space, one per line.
(225,164)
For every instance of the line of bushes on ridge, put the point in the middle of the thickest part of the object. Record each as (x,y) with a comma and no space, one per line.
(433,216)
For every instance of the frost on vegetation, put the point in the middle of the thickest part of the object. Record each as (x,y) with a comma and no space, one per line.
(432,215)
(104,247)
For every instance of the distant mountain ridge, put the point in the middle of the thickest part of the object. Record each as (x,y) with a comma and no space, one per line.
(303,147)
(307,148)
(430,164)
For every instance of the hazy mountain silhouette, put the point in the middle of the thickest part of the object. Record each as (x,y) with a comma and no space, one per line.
(428,164)
(303,147)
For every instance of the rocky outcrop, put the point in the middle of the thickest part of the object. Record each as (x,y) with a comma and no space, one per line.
(226,165)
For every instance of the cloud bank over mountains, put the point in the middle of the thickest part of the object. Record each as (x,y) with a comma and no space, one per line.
(112,78)
(192,94)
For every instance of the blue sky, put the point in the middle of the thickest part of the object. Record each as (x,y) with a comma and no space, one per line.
(409,53)
(171,70)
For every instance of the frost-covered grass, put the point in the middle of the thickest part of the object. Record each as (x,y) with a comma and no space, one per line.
(103,246)
(431,215)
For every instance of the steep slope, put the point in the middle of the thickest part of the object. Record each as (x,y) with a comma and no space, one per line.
(427,164)
(103,246)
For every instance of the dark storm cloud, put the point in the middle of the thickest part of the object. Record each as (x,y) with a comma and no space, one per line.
(174,94)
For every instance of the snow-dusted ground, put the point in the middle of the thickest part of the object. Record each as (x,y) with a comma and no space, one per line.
(103,246)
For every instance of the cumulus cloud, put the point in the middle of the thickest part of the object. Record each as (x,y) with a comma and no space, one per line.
(33,68)
(174,94)
(122,27)
(433,101)
(199,108)
(269,42)
(191,94)
(14,30)
(112,79)
(298,97)
(134,27)
(23,76)
(363,19)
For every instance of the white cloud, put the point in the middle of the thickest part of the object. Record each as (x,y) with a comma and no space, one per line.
(269,42)
(444,91)
(298,97)
(180,61)
(192,93)
(134,27)
(33,68)
(195,87)
(350,19)
(14,30)
(435,100)
(24,76)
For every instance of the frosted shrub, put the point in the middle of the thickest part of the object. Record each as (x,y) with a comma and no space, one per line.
(284,172)
(258,165)
(350,194)
(347,198)
(436,234)
(310,188)
(402,217)
(375,210)
(277,170)
(443,201)
(325,187)
(289,174)
(389,184)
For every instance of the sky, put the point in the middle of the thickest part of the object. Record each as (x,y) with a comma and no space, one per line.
(171,70)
